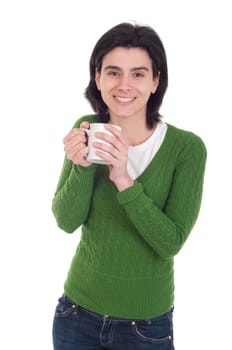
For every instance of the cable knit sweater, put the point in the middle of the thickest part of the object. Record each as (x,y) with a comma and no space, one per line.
(123,265)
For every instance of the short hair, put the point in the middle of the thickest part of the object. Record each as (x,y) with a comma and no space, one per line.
(130,36)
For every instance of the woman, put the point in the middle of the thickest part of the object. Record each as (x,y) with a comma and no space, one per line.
(136,212)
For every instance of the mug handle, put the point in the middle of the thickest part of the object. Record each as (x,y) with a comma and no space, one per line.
(86,130)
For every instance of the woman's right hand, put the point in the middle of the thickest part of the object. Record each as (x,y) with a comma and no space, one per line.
(75,145)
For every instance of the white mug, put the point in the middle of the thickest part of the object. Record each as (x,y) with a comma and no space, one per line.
(96,127)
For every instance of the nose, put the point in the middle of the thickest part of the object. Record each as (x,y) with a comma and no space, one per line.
(124,83)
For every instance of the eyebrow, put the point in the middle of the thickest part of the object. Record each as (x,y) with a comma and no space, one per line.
(132,69)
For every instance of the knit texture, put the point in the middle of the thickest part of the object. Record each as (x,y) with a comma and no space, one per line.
(123,265)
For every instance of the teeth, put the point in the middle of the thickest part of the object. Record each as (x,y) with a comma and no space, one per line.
(125,99)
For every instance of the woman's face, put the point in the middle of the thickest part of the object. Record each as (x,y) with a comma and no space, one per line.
(126,82)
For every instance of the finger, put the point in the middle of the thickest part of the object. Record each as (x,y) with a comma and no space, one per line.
(81,157)
(110,159)
(118,133)
(115,131)
(106,148)
(73,133)
(78,154)
(69,135)
(105,156)
(74,142)
(110,139)
(85,125)
(111,154)
(73,148)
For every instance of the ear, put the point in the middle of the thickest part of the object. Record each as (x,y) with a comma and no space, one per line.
(97,80)
(155,83)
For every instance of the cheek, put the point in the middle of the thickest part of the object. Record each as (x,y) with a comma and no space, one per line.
(105,94)
(147,88)
(104,85)
(107,89)
(147,93)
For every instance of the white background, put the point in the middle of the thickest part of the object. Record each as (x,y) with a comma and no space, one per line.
(45,47)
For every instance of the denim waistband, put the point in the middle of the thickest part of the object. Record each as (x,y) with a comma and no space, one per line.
(112,318)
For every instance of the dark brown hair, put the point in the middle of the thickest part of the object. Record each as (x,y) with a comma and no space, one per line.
(130,36)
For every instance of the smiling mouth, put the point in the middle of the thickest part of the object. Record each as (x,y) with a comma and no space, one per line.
(124,99)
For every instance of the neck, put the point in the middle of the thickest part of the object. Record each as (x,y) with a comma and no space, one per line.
(134,134)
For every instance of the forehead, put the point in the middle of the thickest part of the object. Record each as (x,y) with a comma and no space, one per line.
(127,57)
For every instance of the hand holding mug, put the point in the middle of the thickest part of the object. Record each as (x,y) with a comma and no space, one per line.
(114,151)
(75,145)
(100,142)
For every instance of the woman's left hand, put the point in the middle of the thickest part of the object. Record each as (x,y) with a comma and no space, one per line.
(116,156)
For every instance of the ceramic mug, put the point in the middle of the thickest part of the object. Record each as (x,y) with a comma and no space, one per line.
(96,127)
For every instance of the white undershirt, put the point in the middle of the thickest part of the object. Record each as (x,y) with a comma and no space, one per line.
(139,157)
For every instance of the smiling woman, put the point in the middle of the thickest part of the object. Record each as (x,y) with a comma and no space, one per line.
(126,83)
(141,39)
(136,212)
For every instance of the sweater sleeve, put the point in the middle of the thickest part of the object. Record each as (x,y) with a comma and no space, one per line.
(166,230)
(72,198)
(71,201)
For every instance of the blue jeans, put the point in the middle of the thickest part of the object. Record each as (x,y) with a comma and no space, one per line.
(76,328)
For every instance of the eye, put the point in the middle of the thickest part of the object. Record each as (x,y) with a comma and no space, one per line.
(138,75)
(113,73)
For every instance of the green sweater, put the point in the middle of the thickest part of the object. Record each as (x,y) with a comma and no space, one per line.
(123,265)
